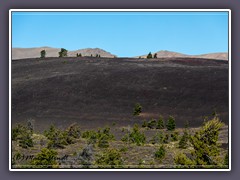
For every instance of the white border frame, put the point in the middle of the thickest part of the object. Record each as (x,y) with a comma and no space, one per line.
(119,10)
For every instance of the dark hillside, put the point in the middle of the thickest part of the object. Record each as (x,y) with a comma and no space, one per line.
(99,91)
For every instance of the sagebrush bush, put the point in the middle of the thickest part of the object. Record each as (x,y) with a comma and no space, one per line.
(86,156)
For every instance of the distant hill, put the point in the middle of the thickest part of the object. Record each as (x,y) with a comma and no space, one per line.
(223,56)
(21,53)
(166,54)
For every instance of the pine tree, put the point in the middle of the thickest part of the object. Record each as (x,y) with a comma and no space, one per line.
(63,52)
(43,53)
(155,55)
(160,123)
(171,123)
(149,55)
(137,109)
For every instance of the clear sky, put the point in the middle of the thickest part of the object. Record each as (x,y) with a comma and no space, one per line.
(124,34)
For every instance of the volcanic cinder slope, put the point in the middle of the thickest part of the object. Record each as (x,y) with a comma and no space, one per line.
(95,92)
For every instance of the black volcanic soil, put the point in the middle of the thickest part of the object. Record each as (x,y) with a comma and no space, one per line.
(95,92)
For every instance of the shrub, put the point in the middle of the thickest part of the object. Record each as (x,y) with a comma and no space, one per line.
(171,123)
(110,159)
(74,131)
(160,123)
(43,54)
(63,52)
(103,141)
(23,134)
(226,159)
(137,109)
(155,55)
(86,156)
(79,55)
(102,135)
(57,139)
(135,136)
(149,55)
(152,124)
(165,139)
(144,124)
(45,159)
(157,138)
(184,162)
(18,131)
(26,140)
(205,144)
(160,153)
(183,143)
(174,136)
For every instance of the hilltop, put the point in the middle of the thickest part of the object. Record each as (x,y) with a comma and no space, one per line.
(21,53)
(167,54)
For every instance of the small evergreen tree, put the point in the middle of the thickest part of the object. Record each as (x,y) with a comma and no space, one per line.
(43,53)
(205,144)
(155,55)
(149,55)
(157,138)
(110,159)
(63,52)
(184,140)
(137,109)
(152,124)
(174,136)
(160,123)
(135,136)
(171,123)
(103,142)
(45,159)
(160,153)
(144,124)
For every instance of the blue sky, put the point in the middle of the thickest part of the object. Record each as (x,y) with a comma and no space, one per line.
(124,34)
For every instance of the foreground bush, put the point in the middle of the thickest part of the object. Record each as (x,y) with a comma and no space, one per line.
(22,134)
(86,156)
(205,146)
(157,138)
(110,159)
(135,136)
(45,159)
(160,153)
(59,139)
(101,137)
